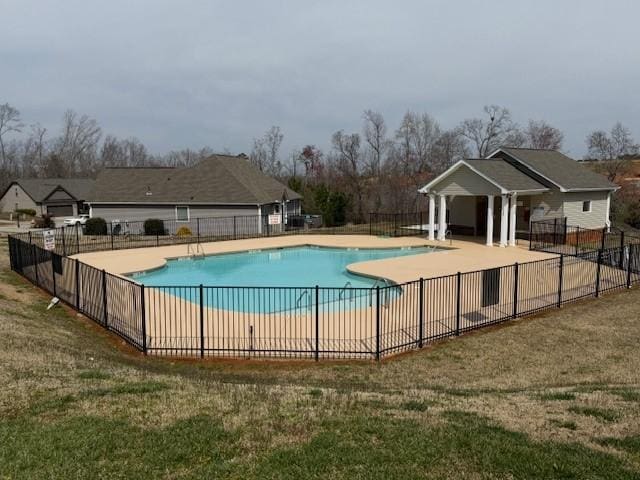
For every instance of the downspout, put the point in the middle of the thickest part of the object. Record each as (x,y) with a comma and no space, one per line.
(608,219)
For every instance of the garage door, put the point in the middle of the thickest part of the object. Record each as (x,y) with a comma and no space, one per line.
(60,210)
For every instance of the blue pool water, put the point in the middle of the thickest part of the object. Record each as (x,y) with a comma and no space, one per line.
(301,267)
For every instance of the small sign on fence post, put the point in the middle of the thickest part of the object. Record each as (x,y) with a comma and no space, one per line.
(274,219)
(49,239)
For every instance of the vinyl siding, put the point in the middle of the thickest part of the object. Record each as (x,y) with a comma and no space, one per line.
(464,182)
(551,205)
(133,213)
(596,218)
(16,197)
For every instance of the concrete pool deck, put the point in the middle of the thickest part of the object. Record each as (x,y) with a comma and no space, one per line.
(462,255)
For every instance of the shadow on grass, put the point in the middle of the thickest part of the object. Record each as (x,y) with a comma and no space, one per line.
(465,446)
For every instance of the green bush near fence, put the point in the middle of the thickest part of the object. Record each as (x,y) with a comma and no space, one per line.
(154,226)
(95,226)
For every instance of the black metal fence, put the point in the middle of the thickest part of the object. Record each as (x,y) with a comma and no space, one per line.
(120,235)
(555,236)
(319,322)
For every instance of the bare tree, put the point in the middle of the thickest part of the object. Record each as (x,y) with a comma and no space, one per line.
(348,162)
(539,134)
(375,135)
(488,134)
(34,151)
(77,145)
(265,152)
(449,148)
(612,150)
(9,122)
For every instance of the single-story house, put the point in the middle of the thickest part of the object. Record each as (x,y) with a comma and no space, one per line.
(58,197)
(530,184)
(218,186)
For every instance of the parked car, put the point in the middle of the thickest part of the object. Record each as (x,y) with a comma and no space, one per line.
(79,220)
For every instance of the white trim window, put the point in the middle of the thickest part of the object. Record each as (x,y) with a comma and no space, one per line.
(586,206)
(182,213)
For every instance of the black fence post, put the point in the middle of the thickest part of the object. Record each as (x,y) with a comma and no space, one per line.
(35,262)
(604,235)
(30,241)
(77,267)
(631,253)
(157,239)
(395,224)
(198,229)
(421,313)
(77,239)
(577,240)
(370,223)
(377,323)
(598,273)
(201,321)
(53,275)
(111,231)
(458,300)
(143,315)
(317,310)
(64,245)
(560,279)
(516,270)
(621,263)
(105,316)
(235,230)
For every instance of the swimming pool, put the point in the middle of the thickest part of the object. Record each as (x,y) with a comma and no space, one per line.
(298,267)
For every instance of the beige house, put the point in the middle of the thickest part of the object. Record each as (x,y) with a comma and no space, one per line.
(499,196)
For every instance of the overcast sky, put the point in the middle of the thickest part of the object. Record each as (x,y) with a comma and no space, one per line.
(193,73)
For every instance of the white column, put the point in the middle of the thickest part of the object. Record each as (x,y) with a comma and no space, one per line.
(489,220)
(608,219)
(504,221)
(442,218)
(432,216)
(259,219)
(512,230)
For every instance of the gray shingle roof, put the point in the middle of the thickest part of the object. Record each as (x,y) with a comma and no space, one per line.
(505,174)
(559,169)
(40,188)
(219,179)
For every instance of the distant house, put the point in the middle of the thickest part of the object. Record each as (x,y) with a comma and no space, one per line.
(218,186)
(529,185)
(59,197)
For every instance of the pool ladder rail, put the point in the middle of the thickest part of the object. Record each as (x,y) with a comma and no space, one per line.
(195,250)
(347,287)
(385,298)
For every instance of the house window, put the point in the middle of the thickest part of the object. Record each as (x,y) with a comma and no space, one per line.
(586,206)
(182,214)
(276,208)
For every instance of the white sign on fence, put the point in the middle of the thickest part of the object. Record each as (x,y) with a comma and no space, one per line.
(275,219)
(49,237)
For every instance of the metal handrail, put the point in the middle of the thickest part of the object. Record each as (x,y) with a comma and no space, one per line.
(300,297)
(343,289)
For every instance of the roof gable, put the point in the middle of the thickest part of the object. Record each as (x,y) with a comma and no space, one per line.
(496,172)
(39,189)
(556,168)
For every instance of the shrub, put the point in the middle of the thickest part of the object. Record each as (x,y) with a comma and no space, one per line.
(30,212)
(95,226)
(45,221)
(154,226)
(184,232)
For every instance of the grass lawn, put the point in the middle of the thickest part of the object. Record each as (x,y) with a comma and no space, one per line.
(556,396)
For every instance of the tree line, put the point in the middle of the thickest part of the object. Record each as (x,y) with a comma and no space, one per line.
(378,168)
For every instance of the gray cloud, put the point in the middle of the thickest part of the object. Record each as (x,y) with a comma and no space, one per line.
(178,74)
